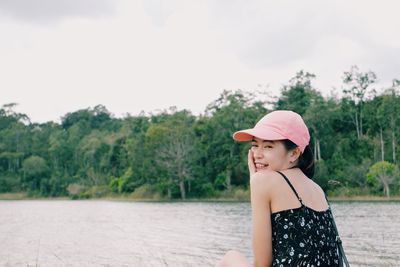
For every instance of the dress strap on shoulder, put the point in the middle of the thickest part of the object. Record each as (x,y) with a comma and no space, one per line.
(327,201)
(291,186)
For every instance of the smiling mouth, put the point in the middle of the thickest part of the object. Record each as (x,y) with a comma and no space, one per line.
(261,166)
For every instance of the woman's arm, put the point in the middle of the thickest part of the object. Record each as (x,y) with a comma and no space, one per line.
(261,220)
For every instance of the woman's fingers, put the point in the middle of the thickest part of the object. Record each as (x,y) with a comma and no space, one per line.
(250,161)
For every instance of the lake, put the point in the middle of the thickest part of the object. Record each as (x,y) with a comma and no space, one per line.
(123,233)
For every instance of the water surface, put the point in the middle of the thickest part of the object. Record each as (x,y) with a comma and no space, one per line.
(116,233)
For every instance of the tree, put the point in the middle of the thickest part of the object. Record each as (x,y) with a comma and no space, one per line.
(172,144)
(383,174)
(319,117)
(96,117)
(298,94)
(94,150)
(358,85)
(35,172)
(8,110)
(134,131)
(180,155)
(232,111)
(388,113)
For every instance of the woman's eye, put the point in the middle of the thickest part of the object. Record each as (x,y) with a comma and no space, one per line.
(253,145)
(268,147)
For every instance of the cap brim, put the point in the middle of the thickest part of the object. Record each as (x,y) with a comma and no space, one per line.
(265,134)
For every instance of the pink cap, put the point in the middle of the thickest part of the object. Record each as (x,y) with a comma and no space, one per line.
(278,125)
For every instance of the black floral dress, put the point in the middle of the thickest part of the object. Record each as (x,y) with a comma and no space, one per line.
(303,236)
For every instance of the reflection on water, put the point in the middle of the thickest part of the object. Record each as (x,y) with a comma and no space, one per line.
(112,233)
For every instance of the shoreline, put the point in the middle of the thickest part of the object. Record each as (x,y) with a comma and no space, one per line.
(23,196)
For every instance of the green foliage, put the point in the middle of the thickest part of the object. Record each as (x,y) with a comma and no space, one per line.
(124,183)
(174,154)
(205,189)
(383,175)
(9,183)
(299,94)
(35,171)
(146,192)
(75,190)
(220,181)
(96,191)
(235,193)
(345,191)
(321,175)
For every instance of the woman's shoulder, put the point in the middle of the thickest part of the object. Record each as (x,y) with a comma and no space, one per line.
(269,179)
(263,183)
(317,187)
(265,179)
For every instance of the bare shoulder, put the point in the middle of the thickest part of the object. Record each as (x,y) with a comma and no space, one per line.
(318,187)
(264,180)
(319,193)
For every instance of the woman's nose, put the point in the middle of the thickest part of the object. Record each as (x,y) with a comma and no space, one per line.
(257,153)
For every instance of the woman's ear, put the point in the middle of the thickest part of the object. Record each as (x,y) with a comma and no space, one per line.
(294,154)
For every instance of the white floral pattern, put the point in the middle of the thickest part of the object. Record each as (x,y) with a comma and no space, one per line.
(303,237)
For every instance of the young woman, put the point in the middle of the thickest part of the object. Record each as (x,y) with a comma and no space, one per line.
(292,224)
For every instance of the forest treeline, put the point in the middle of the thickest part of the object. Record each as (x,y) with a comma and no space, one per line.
(173,154)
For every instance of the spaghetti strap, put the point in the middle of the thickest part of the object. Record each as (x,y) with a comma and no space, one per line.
(291,186)
(327,201)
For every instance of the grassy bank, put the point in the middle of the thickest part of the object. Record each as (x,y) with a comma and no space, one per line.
(121,197)
(24,196)
(368,198)
(233,196)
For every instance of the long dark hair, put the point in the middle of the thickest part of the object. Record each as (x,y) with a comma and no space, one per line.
(306,159)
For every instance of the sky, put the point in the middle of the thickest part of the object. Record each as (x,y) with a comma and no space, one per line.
(59,56)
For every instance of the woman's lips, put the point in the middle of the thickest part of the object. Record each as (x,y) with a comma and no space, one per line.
(261,166)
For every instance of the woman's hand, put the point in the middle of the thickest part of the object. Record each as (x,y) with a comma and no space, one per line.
(250,162)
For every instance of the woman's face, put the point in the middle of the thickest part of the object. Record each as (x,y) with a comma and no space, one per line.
(271,155)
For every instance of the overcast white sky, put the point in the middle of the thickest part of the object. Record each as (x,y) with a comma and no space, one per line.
(58,56)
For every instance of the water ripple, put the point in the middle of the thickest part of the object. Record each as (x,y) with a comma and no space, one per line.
(117,233)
